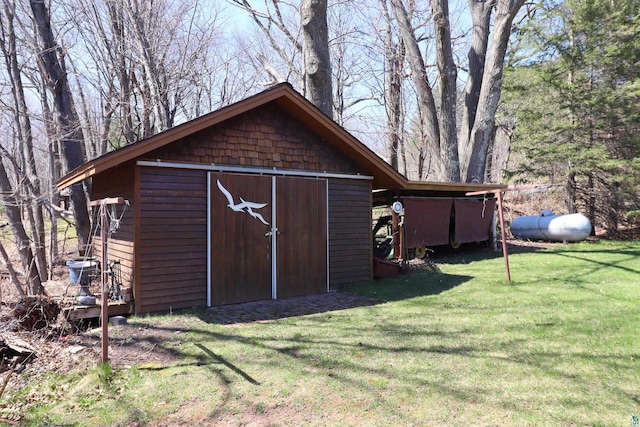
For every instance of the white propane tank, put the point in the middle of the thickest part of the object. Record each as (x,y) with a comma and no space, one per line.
(552,227)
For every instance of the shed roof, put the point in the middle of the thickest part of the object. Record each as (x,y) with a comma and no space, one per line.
(282,95)
(450,186)
(433,189)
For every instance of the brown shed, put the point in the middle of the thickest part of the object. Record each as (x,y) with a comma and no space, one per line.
(266,198)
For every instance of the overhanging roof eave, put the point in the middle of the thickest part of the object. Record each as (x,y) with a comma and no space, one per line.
(283,95)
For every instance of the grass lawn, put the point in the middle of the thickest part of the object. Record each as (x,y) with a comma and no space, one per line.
(452,344)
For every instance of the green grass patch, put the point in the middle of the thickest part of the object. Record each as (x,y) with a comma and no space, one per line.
(453,344)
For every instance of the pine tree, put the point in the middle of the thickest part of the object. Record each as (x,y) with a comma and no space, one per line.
(575,93)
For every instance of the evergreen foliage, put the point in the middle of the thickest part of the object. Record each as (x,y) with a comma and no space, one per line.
(574,87)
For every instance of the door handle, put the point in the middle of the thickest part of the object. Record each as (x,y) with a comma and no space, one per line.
(270,233)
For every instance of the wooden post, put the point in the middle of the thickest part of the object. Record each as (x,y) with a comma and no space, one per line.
(403,247)
(395,232)
(104,281)
(503,232)
(500,192)
(505,254)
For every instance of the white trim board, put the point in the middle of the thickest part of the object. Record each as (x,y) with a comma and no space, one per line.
(243,169)
(209,296)
(274,243)
(327,237)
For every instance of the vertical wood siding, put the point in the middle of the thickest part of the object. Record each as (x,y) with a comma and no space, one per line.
(173,239)
(350,240)
(240,250)
(301,209)
(118,182)
(169,206)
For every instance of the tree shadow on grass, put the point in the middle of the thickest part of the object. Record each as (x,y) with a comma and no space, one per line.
(480,251)
(425,281)
(221,360)
(422,282)
(627,253)
(259,311)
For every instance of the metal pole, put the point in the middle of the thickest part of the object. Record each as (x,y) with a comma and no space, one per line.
(104,312)
(104,282)
(395,233)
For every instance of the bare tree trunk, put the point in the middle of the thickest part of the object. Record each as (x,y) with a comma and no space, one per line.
(421,159)
(481,19)
(317,64)
(55,166)
(53,237)
(52,67)
(491,89)
(55,200)
(403,153)
(22,240)
(340,84)
(490,151)
(592,208)
(153,71)
(393,97)
(91,143)
(24,135)
(613,206)
(12,272)
(394,54)
(266,20)
(571,193)
(500,151)
(118,30)
(426,102)
(448,74)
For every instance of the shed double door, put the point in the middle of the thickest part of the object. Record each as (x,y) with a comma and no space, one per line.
(268,237)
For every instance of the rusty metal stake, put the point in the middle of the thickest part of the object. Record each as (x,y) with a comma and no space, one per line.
(104,281)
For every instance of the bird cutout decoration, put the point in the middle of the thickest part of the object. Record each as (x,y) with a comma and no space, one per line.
(240,207)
